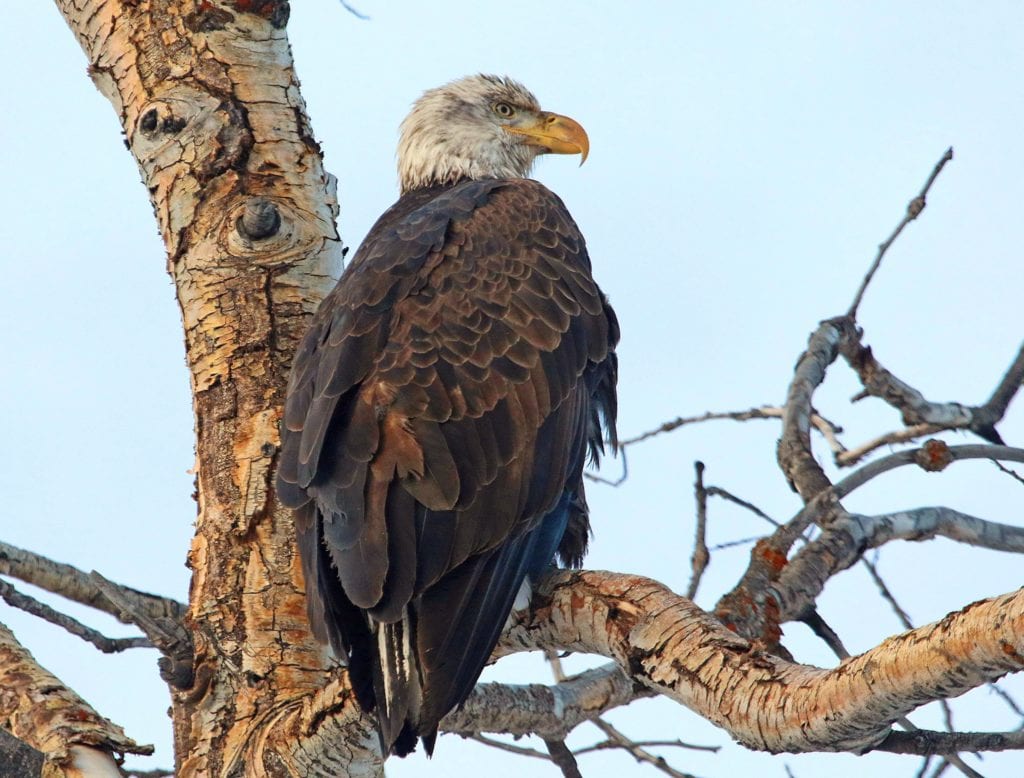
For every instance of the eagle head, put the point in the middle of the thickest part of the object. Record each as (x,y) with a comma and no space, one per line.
(480,127)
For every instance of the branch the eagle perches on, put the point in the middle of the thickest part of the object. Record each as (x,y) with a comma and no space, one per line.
(252,247)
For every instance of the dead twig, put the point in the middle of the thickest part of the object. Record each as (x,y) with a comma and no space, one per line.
(24,602)
(503,746)
(828,429)
(78,586)
(854,455)
(917,411)
(914,209)
(929,743)
(563,758)
(167,634)
(701,555)
(718,491)
(1009,471)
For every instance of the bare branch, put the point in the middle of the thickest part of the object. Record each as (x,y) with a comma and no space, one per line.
(926,742)
(617,739)
(358,14)
(640,753)
(510,747)
(1010,702)
(17,599)
(854,455)
(38,709)
(718,491)
(1007,388)
(551,712)
(915,456)
(794,453)
(167,634)
(563,758)
(826,427)
(887,595)
(1010,472)
(78,586)
(914,209)
(669,645)
(624,457)
(701,556)
(917,411)
(821,628)
(927,523)
(844,541)
(605,745)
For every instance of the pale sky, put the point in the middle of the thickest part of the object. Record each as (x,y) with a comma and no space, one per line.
(746,160)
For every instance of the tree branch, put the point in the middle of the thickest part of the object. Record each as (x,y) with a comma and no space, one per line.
(914,209)
(823,425)
(671,646)
(550,712)
(17,599)
(844,541)
(563,758)
(701,555)
(927,743)
(923,415)
(38,709)
(78,586)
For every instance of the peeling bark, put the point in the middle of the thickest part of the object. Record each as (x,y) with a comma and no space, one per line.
(211,109)
(210,106)
(670,645)
(38,709)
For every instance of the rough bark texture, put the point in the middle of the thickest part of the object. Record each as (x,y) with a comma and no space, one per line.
(38,709)
(670,645)
(211,110)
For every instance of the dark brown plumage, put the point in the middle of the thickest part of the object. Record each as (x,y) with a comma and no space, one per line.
(439,413)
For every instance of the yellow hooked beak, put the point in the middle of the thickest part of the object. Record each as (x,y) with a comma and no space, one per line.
(554,133)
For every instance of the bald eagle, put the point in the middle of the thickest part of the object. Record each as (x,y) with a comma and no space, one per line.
(442,404)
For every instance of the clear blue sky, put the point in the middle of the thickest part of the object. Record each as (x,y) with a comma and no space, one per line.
(747,158)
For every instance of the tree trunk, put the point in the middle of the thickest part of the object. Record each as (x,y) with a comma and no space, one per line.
(211,109)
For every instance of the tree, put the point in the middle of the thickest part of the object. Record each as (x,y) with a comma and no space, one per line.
(247,216)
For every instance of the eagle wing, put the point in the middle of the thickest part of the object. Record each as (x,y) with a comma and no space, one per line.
(438,417)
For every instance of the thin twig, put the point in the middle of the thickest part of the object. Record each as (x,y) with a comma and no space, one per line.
(622,476)
(1009,471)
(718,491)
(563,758)
(887,595)
(167,634)
(852,456)
(638,752)
(827,428)
(29,604)
(77,585)
(503,746)
(606,745)
(913,211)
(734,543)
(359,15)
(1012,703)
(821,628)
(701,555)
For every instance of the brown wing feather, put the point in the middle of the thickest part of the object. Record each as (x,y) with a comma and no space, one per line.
(440,407)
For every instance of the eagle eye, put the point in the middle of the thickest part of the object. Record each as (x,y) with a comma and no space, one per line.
(504,110)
